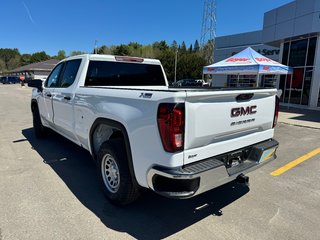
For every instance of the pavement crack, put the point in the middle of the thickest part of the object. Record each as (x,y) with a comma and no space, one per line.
(275,216)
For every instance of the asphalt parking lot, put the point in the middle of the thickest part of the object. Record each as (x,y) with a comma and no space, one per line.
(48,190)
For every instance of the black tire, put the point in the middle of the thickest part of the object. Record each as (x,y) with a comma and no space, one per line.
(39,130)
(114,175)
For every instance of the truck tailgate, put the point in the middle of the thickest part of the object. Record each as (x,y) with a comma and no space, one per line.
(223,121)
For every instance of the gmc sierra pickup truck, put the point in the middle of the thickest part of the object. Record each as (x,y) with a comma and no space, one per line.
(179,142)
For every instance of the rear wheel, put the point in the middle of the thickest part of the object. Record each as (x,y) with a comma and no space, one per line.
(39,130)
(114,174)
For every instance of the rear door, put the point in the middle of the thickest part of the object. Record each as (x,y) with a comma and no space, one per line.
(45,100)
(63,99)
(223,121)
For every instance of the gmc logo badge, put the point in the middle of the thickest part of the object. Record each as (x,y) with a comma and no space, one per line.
(242,111)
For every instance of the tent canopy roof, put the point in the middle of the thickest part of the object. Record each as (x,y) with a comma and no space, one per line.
(247,62)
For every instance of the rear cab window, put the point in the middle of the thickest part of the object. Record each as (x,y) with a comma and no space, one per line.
(103,73)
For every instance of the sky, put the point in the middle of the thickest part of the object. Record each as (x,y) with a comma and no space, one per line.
(70,25)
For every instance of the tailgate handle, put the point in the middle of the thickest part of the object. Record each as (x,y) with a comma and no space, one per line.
(244,97)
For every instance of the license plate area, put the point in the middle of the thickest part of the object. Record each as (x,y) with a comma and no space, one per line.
(264,151)
(267,154)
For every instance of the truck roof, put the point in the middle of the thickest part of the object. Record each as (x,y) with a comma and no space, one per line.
(113,58)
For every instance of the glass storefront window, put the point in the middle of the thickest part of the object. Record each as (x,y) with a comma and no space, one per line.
(298,53)
(282,85)
(268,81)
(285,53)
(319,98)
(311,51)
(295,86)
(306,86)
(242,80)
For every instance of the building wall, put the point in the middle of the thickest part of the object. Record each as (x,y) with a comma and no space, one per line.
(315,87)
(297,18)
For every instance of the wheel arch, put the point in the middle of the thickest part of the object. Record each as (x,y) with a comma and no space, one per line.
(119,131)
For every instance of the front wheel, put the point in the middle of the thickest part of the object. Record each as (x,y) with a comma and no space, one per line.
(39,130)
(114,175)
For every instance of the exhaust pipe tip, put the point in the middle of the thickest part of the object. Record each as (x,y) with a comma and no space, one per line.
(242,179)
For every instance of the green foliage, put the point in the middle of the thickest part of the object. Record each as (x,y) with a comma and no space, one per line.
(104,50)
(25,59)
(196,47)
(183,47)
(189,65)
(174,45)
(74,53)
(122,50)
(61,55)
(2,66)
(39,57)
(190,61)
(10,58)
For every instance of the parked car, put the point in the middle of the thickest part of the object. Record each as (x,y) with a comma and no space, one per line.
(9,80)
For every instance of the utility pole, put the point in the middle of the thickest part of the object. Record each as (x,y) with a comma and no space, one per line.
(95,51)
(175,66)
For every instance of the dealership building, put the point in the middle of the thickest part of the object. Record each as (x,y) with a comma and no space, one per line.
(291,36)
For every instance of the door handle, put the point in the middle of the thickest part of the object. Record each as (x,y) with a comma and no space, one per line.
(48,95)
(67,98)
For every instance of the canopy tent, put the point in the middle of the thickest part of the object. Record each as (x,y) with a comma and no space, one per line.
(247,62)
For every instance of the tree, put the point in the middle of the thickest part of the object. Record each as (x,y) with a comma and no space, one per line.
(196,47)
(135,49)
(9,57)
(190,48)
(2,66)
(39,57)
(103,50)
(74,53)
(61,55)
(167,59)
(174,45)
(25,59)
(14,62)
(122,50)
(162,45)
(183,47)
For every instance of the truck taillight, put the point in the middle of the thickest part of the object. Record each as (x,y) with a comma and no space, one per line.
(276,112)
(171,126)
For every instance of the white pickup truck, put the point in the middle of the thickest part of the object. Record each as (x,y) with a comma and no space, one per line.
(179,142)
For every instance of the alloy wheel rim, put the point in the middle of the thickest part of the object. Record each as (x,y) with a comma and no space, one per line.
(110,173)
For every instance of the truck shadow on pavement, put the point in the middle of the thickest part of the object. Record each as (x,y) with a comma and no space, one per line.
(151,217)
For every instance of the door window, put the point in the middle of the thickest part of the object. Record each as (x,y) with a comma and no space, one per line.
(70,73)
(52,80)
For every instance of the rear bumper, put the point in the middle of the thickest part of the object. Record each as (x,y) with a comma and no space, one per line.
(201,176)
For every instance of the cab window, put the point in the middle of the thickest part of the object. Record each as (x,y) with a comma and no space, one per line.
(52,80)
(70,72)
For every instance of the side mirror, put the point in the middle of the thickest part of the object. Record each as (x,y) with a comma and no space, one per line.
(36,83)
